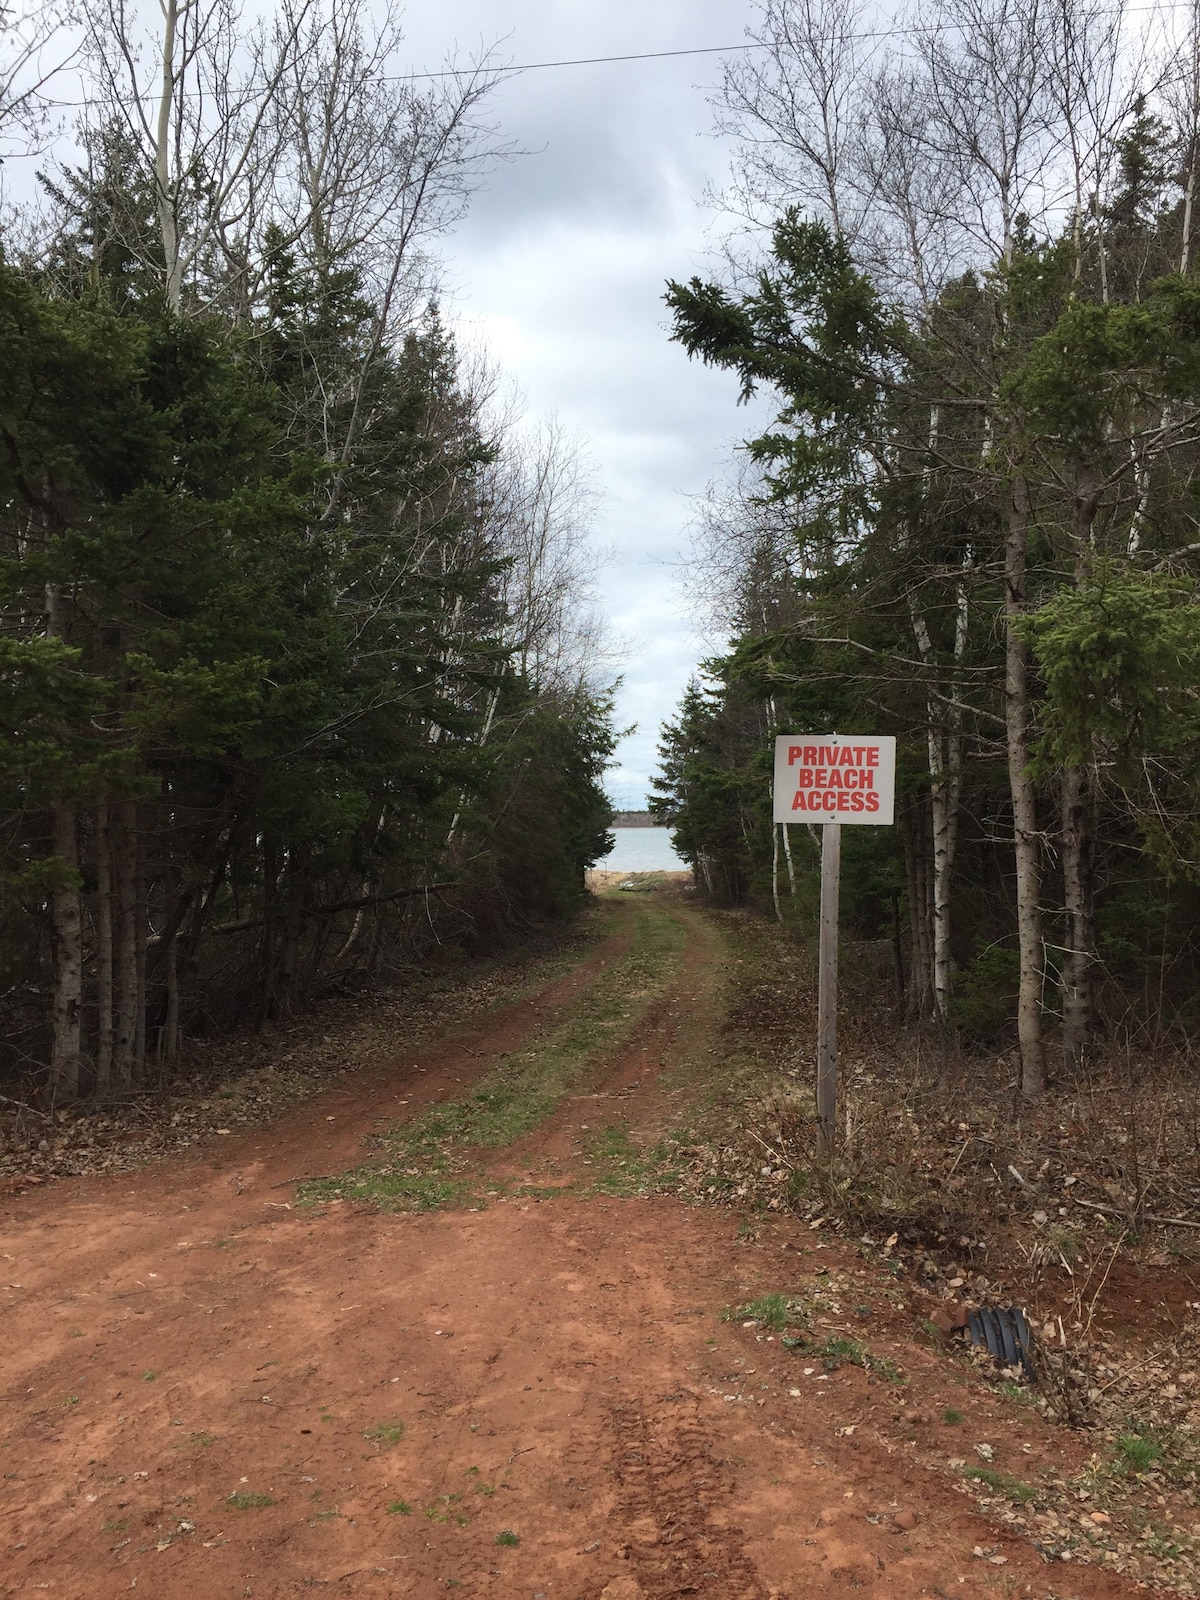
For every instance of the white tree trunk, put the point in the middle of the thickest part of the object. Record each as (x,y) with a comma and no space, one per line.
(944,755)
(166,197)
(787,855)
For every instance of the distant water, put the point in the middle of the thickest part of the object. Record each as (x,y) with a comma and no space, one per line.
(642,850)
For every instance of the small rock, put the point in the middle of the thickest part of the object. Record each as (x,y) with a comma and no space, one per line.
(622,1588)
(984,1452)
(904,1521)
(1101,1518)
(950,1318)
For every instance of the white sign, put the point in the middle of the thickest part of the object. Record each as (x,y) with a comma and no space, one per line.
(831,777)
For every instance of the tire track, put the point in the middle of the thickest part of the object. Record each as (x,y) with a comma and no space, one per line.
(667,1482)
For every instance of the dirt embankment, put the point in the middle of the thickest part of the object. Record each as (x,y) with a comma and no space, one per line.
(210,1390)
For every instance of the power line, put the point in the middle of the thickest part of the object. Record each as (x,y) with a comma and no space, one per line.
(587,61)
(497,71)
(909,30)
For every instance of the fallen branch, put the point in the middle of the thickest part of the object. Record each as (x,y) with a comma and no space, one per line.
(1147,1216)
(376,899)
(338,905)
(22,1106)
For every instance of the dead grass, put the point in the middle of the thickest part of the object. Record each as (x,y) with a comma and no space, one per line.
(965,1194)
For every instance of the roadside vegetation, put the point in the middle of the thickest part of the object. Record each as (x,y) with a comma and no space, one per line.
(948,1199)
(970,523)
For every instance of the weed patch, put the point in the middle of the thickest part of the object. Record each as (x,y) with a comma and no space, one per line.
(773,1311)
(385,1433)
(1137,1452)
(197,1441)
(1012,1488)
(836,1351)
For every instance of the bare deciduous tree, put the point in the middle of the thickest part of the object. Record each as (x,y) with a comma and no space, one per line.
(795,108)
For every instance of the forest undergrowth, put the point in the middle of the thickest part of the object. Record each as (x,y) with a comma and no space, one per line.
(251,1077)
(946,1180)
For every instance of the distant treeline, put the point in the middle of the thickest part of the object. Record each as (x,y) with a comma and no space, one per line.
(635,819)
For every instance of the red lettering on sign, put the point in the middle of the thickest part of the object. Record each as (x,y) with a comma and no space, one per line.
(856,801)
(872,802)
(872,755)
(810,755)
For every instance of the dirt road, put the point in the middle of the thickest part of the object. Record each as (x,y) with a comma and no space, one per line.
(211,1390)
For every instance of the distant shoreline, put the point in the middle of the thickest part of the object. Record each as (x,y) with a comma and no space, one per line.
(635,819)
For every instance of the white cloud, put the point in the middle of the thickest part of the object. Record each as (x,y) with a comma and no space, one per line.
(560,267)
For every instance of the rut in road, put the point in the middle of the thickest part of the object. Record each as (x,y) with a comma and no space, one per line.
(527,1389)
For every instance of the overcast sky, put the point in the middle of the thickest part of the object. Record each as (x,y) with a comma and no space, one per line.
(560,268)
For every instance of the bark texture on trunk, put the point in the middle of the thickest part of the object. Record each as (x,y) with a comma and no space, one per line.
(1078,827)
(914,832)
(1079,956)
(775,873)
(124,856)
(104,952)
(68,958)
(944,744)
(787,855)
(141,920)
(66,915)
(1024,798)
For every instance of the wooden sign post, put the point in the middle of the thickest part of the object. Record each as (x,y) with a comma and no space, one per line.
(832,779)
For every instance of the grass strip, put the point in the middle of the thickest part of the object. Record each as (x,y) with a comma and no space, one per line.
(422,1165)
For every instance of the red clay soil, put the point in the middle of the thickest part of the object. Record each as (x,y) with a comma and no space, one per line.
(208,1393)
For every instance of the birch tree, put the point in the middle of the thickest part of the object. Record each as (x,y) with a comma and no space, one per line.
(795,107)
(196,96)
